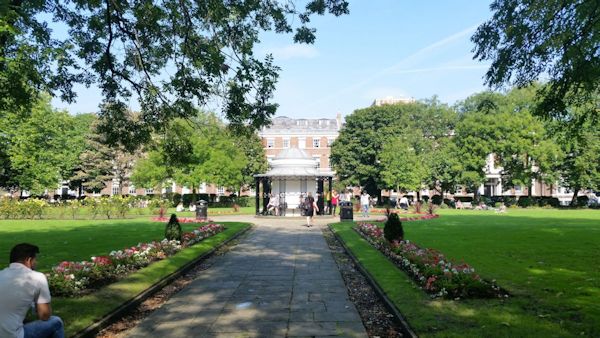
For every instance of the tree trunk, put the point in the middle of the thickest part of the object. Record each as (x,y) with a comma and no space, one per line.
(574,198)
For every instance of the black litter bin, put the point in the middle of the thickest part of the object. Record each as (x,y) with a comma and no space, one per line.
(202,210)
(346,211)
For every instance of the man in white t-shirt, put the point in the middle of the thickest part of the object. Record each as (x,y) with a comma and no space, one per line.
(21,289)
(365,200)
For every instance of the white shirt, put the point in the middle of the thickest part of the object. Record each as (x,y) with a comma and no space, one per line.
(364,199)
(20,288)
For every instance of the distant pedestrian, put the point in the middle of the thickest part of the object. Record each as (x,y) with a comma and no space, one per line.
(334,201)
(404,203)
(311,208)
(365,200)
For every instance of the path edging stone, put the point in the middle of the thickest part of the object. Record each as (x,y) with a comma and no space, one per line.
(132,303)
(406,329)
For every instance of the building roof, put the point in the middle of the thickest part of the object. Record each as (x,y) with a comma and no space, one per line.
(294,163)
(286,125)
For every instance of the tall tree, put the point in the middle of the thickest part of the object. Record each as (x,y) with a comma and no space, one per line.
(191,153)
(127,46)
(356,153)
(254,152)
(579,138)
(42,146)
(503,125)
(527,39)
(100,162)
(402,168)
(444,166)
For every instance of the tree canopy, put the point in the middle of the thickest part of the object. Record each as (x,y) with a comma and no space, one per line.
(172,56)
(201,150)
(559,39)
(40,147)
(358,154)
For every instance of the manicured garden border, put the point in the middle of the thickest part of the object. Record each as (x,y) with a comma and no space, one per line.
(203,252)
(406,329)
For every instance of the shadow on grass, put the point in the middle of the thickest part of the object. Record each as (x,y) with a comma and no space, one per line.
(549,264)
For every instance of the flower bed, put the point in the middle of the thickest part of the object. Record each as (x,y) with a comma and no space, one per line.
(430,269)
(421,217)
(75,278)
(181,220)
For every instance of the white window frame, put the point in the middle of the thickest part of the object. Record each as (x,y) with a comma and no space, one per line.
(316,142)
(115,190)
(149,191)
(330,141)
(317,161)
(286,143)
(131,190)
(302,142)
(270,143)
(221,190)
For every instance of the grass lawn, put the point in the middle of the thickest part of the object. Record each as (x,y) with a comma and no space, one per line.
(79,240)
(549,260)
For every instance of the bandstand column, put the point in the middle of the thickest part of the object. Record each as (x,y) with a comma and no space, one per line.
(330,179)
(257,181)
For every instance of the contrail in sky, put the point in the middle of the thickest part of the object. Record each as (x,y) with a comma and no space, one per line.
(400,67)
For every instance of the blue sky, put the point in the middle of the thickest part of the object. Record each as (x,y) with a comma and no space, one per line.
(382,48)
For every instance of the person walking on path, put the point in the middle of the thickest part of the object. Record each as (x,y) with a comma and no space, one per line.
(311,207)
(365,199)
(22,288)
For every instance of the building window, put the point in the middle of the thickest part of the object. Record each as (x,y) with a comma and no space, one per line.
(220,190)
(317,161)
(270,143)
(329,141)
(518,189)
(116,190)
(286,142)
(301,142)
(131,190)
(150,191)
(202,188)
(316,142)
(459,190)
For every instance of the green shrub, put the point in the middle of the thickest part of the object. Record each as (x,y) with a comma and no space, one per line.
(549,202)
(450,203)
(393,230)
(444,206)
(509,201)
(173,229)
(525,202)
(176,198)
(437,199)
(582,201)
(121,205)
(8,207)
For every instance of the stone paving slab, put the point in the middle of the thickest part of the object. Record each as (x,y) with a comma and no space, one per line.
(279,281)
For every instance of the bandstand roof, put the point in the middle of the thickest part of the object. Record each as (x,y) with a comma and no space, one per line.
(294,163)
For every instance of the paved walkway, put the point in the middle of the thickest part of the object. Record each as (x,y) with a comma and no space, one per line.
(279,281)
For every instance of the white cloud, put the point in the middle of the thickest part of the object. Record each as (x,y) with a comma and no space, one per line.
(294,51)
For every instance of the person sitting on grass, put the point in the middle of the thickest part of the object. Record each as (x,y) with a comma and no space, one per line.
(501,209)
(22,288)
